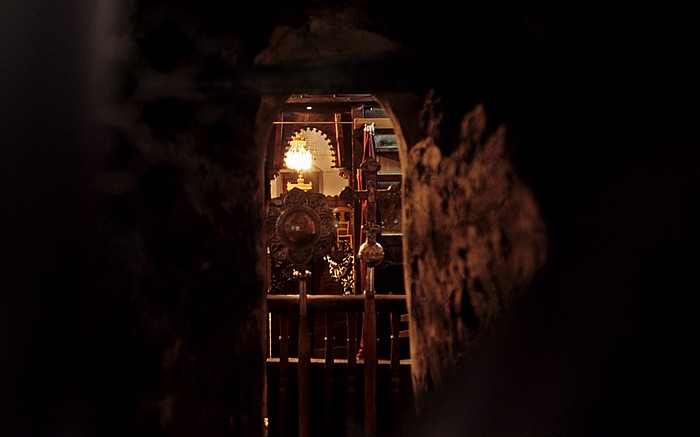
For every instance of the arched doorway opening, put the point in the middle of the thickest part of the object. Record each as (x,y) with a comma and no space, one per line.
(343,132)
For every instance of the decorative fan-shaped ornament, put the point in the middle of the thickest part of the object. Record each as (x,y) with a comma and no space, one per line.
(299,227)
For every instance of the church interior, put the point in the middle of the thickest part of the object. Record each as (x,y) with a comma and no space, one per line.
(358,218)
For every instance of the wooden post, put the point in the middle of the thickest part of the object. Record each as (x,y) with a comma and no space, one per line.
(304,364)
(328,374)
(352,428)
(284,374)
(370,334)
(395,370)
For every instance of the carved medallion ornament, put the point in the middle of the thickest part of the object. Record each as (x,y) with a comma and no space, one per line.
(299,226)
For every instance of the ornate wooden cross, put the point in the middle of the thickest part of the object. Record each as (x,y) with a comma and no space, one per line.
(299,227)
(373,253)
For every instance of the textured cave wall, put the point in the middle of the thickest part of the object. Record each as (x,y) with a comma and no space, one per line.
(474,240)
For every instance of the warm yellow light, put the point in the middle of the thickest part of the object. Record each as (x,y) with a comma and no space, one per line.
(298,157)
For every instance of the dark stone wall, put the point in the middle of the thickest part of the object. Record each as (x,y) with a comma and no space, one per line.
(182,189)
(550,168)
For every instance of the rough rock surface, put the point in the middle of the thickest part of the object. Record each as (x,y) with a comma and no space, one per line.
(474,240)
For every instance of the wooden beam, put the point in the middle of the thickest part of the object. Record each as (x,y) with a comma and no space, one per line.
(379,123)
(334,303)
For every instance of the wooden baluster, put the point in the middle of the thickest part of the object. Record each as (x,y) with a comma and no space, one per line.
(370,348)
(304,364)
(329,376)
(352,428)
(284,375)
(395,371)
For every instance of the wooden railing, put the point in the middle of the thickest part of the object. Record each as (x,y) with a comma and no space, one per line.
(286,307)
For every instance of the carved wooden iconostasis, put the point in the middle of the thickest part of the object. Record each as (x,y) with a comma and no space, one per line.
(332,127)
